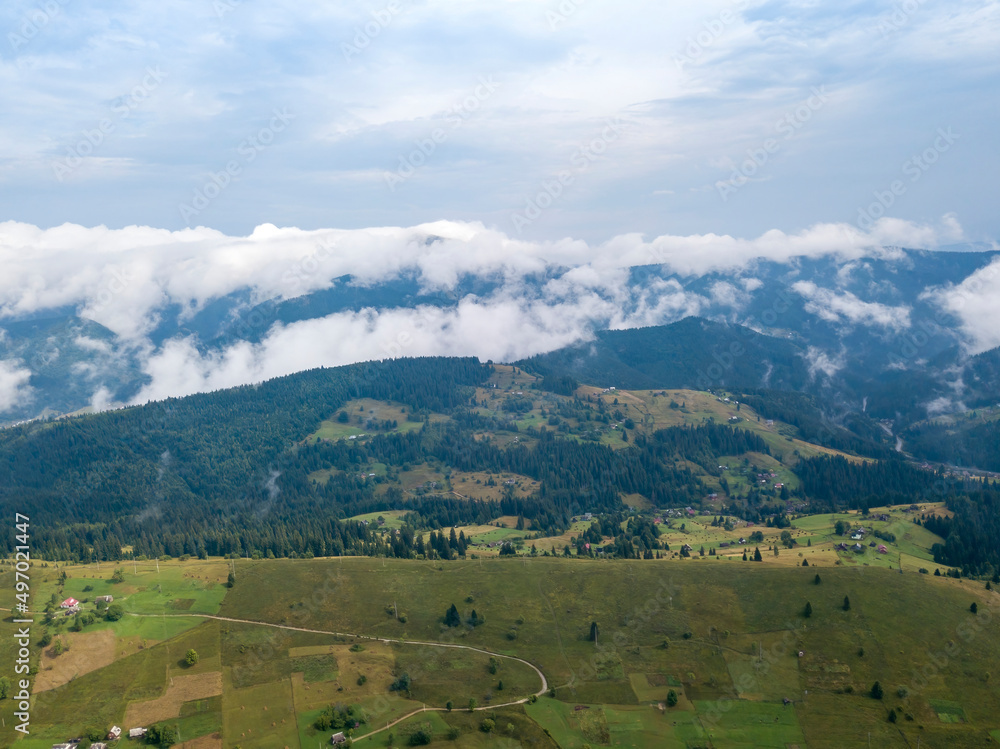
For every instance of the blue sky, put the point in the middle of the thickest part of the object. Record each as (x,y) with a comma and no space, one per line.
(541,120)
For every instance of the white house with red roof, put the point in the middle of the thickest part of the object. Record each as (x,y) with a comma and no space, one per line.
(69,603)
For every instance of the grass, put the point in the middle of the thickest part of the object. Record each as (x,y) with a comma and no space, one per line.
(393,518)
(725,636)
(364,417)
(763,725)
(260,716)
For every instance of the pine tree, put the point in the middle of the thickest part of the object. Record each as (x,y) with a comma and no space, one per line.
(593,631)
(808,610)
(452,617)
(816,579)
(847,603)
(877,691)
(756,555)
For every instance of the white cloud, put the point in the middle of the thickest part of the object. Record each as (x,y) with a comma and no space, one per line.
(14,388)
(120,278)
(976,303)
(846,307)
(125,278)
(820,362)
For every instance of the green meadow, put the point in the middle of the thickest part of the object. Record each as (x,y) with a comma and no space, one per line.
(729,639)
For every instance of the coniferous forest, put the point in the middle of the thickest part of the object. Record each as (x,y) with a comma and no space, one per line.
(229,473)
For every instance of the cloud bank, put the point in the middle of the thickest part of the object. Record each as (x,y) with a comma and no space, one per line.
(127,279)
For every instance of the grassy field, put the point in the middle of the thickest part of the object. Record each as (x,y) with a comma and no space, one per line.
(729,638)
(365,417)
(815,540)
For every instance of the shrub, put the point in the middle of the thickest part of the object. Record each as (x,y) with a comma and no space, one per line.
(419,738)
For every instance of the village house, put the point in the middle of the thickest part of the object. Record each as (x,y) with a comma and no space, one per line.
(338,738)
(115,733)
(106,599)
(69,603)
(99,745)
(136,733)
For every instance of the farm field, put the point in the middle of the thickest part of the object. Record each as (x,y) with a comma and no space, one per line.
(728,638)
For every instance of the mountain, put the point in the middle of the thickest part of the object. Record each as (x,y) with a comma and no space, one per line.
(869,334)
(72,361)
(693,353)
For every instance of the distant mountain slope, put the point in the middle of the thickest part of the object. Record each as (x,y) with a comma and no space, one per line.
(693,353)
(70,360)
(870,328)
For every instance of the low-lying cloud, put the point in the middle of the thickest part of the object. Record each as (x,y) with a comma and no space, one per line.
(14,388)
(127,279)
(976,303)
(845,307)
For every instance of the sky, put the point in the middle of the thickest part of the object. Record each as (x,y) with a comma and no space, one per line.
(157,154)
(539,119)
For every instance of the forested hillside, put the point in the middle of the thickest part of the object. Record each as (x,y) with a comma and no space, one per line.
(692,353)
(278,468)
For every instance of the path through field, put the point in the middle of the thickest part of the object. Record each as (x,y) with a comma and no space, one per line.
(539,693)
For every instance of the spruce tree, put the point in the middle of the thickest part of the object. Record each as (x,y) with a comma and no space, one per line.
(847,603)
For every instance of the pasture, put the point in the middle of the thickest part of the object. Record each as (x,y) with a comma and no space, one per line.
(729,638)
